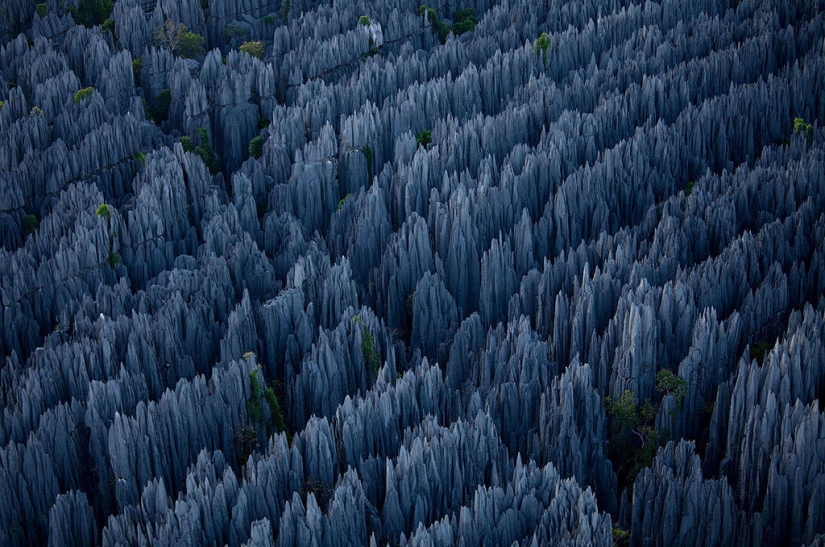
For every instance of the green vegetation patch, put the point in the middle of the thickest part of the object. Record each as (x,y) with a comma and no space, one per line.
(104,211)
(84,93)
(364,20)
(367,152)
(799,126)
(464,20)
(179,39)
(256,147)
(541,45)
(160,112)
(275,412)
(30,225)
(91,12)
(254,49)
(424,138)
(137,67)
(370,355)
(668,383)
(201,147)
(441,28)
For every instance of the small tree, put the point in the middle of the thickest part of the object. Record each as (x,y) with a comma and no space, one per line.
(541,44)
(104,211)
(42,9)
(256,147)
(191,45)
(799,126)
(668,383)
(424,138)
(160,111)
(254,49)
(364,20)
(179,39)
(633,440)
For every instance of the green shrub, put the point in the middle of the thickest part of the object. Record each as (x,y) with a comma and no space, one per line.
(541,44)
(364,20)
(253,404)
(160,111)
(464,20)
(424,138)
(256,147)
(668,383)
(200,147)
(621,538)
(112,259)
(370,356)
(204,150)
(440,27)
(179,39)
(254,49)
(109,25)
(91,12)
(139,156)
(30,225)
(104,211)
(42,9)
(268,20)
(275,412)
(633,440)
(799,126)
(84,93)
(367,152)
(689,188)
(36,111)
(2,104)
(137,67)
(186,142)
(191,45)
(285,7)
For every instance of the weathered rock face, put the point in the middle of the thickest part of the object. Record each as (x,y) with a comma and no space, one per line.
(383,283)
